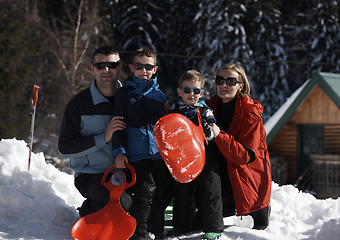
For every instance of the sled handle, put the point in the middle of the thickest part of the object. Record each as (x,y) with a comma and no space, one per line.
(200,125)
(125,184)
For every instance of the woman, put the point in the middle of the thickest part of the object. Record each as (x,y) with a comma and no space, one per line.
(240,149)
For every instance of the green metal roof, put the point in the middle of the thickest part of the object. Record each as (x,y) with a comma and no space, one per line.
(329,82)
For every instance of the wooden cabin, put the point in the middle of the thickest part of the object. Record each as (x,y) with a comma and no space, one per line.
(303,137)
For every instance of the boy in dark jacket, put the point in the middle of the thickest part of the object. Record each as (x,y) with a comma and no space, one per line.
(190,89)
(141,103)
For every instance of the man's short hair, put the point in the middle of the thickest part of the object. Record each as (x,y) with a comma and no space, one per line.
(106,50)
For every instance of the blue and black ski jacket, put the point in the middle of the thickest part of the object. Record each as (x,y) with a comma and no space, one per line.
(141,103)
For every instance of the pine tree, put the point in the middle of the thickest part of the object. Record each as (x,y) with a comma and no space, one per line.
(311,32)
(220,38)
(326,45)
(180,30)
(139,23)
(264,35)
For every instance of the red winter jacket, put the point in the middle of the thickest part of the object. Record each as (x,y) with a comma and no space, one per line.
(245,149)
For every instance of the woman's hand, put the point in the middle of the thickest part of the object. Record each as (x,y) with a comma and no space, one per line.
(215,129)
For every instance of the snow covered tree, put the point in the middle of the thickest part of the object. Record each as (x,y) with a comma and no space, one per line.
(311,31)
(265,38)
(220,38)
(326,45)
(179,32)
(139,23)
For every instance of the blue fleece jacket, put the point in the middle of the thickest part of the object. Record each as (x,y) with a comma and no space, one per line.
(81,137)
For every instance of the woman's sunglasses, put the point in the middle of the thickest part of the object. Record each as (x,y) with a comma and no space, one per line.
(230,81)
(188,90)
(139,66)
(102,65)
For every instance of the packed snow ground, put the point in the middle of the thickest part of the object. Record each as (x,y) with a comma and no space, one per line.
(41,204)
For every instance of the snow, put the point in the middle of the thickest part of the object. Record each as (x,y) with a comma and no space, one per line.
(41,204)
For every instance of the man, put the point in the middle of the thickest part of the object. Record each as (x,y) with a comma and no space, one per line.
(86,131)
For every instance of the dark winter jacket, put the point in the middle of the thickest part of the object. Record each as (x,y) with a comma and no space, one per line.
(245,149)
(81,137)
(190,111)
(141,103)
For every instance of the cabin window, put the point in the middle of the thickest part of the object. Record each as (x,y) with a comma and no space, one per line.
(310,141)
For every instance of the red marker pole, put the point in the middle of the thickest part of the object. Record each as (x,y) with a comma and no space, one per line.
(34,101)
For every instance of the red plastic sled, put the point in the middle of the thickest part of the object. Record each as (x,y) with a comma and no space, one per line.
(181,144)
(111,222)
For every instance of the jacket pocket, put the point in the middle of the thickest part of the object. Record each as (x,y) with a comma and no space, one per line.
(79,162)
(245,186)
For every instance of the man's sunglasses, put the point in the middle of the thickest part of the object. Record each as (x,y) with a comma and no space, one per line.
(188,90)
(139,66)
(230,81)
(102,65)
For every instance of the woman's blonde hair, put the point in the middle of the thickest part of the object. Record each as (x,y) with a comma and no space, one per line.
(245,91)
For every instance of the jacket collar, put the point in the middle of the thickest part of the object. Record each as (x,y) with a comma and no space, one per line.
(200,103)
(142,86)
(243,104)
(97,96)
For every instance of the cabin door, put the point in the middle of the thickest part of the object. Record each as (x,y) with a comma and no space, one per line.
(310,141)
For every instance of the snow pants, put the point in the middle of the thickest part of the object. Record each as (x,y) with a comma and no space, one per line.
(214,195)
(151,176)
(183,206)
(97,196)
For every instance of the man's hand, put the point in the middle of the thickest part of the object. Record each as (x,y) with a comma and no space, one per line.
(115,124)
(121,159)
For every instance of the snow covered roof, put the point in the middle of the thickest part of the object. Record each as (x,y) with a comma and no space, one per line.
(329,82)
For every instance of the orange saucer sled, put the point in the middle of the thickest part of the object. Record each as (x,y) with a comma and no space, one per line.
(181,144)
(111,222)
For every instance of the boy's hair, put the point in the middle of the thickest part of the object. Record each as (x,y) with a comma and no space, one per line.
(191,75)
(144,52)
(240,70)
(106,50)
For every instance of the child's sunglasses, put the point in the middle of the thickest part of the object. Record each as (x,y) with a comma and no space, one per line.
(102,65)
(139,66)
(230,81)
(188,90)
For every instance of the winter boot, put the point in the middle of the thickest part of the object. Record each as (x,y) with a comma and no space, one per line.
(261,218)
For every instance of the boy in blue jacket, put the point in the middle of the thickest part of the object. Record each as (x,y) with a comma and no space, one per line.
(141,103)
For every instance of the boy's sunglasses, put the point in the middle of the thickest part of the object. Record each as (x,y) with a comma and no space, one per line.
(139,66)
(230,81)
(188,90)
(102,65)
